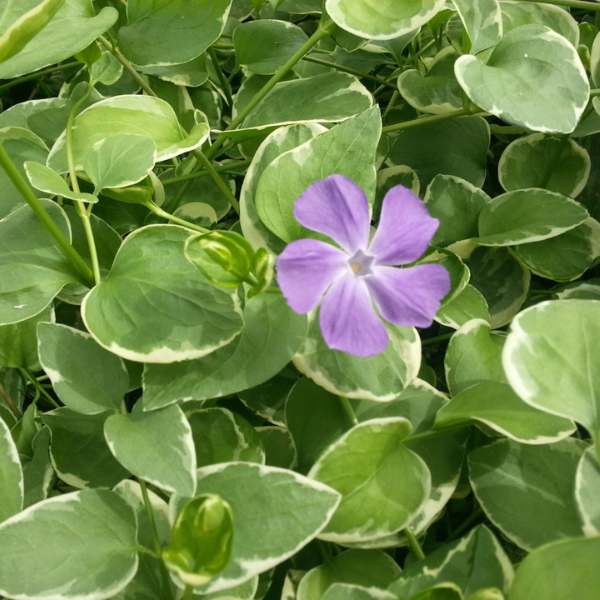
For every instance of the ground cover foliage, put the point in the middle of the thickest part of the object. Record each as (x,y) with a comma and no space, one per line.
(170,428)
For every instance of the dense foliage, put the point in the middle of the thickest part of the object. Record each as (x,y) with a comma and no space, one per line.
(170,428)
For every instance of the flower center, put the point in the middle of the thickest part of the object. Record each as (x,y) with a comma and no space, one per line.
(361,263)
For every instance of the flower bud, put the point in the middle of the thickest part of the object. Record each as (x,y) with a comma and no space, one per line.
(201,540)
(223,257)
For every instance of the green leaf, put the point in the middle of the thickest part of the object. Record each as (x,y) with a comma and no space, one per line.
(527,491)
(550,357)
(79,545)
(11,477)
(278,447)
(49,181)
(72,29)
(25,26)
(268,399)
(497,406)
(364,466)
(66,353)
(264,46)
(220,436)
(21,145)
(107,70)
(533,78)
(587,488)
(526,216)
(566,256)
(329,97)
(18,342)
(120,160)
(539,161)
(458,271)
(155,306)
(502,280)
(295,507)
(156,447)
(192,73)
(380,378)
(474,355)
(469,304)
(390,20)
(277,143)
(346,591)
(271,336)
(482,21)
(446,198)
(127,115)
(368,568)
(473,562)
(39,477)
(186,28)
(515,14)
(454,147)
(315,419)
(32,268)
(437,92)
(79,452)
(562,570)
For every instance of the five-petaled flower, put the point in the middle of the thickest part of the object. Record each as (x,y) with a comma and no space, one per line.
(349,279)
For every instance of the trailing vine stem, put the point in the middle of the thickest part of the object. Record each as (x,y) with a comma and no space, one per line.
(158,211)
(414,543)
(80,207)
(10,402)
(87,277)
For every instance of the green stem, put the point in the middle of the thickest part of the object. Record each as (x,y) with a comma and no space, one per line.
(80,206)
(25,373)
(433,433)
(426,120)
(414,544)
(53,229)
(126,64)
(221,76)
(10,402)
(157,210)
(337,67)
(322,31)
(18,80)
(594,92)
(349,410)
(569,3)
(188,594)
(221,184)
(391,103)
(154,533)
(438,338)
(226,168)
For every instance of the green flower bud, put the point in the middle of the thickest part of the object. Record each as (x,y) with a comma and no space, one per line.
(264,264)
(201,540)
(225,258)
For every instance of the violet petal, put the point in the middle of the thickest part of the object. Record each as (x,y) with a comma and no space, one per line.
(348,319)
(305,269)
(409,296)
(405,228)
(338,208)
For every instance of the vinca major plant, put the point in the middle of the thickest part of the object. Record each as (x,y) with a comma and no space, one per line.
(299,300)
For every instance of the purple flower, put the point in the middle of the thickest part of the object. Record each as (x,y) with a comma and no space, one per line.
(351,278)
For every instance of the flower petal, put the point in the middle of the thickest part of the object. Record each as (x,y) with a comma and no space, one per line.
(410,296)
(348,319)
(305,269)
(338,208)
(405,228)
